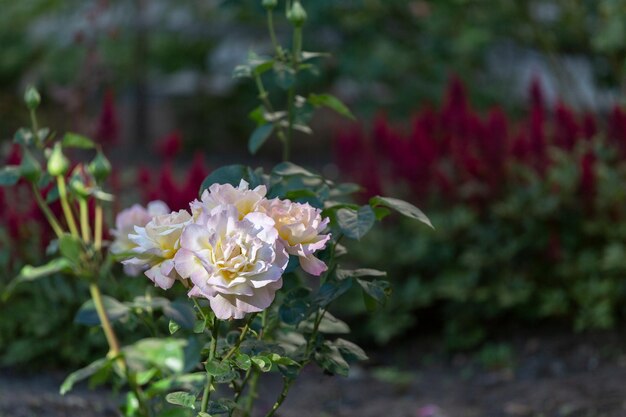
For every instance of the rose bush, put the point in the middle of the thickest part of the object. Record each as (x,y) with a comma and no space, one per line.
(243,254)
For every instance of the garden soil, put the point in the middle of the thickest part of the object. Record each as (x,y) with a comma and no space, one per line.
(535,376)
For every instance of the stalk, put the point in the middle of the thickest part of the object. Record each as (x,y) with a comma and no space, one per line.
(207,389)
(270,25)
(242,336)
(291,94)
(287,383)
(84,220)
(98,227)
(109,333)
(43,206)
(67,210)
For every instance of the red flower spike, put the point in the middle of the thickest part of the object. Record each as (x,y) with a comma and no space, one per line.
(170,145)
(107,131)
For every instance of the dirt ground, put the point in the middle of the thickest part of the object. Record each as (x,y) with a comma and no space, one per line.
(539,376)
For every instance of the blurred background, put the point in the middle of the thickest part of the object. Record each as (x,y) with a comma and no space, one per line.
(501,119)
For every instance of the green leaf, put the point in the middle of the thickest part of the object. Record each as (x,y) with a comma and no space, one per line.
(257,115)
(74,140)
(52,195)
(355,224)
(232,174)
(173,327)
(361,272)
(331,290)
(181,313)
(71,248)
(349,350)
(242,71)
(88,315)
(189,382)
(182,399)
(286,169)
(330,360)
(378,290)
(332,325)
(217,368)
(9,175)
(83,373)
(282,360)
(263,363)
(295,307)
(401,207)
(259,137)
(312,55)
(23,137)
(284,76)
(165,354)
(243,361)
(32,273)
(332,102)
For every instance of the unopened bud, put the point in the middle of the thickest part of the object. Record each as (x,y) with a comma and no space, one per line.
(32,97)
(57,162)
(100,167)
(270,4)
(297,15)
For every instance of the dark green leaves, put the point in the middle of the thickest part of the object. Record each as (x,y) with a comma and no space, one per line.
(232,174)
(401,207)
(33,273)
(355,224)
(71,248)
(9,176)
(82,374)
(182,399)
(259,137)
(74,140)
(181,313)
(88,315)
(332,102)
(375,292)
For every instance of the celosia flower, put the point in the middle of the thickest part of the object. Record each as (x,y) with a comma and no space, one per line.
(236,264)
(157,244)
(300,228)
(242,197)
(125,223)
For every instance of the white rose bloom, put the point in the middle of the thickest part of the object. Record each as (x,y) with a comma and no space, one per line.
(156,246)
(242,197)
(125,223)
(300,228)
(237,264)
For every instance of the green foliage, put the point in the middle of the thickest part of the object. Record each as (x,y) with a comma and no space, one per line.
(534,255)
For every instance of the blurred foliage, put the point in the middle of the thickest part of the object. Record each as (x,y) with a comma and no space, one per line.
(394,53)
(540,252)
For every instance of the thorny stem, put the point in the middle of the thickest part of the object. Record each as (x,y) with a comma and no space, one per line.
(242,336)
(84,220)
(43,206)
(67,210)
(253,375)
(287,383)
(207,389)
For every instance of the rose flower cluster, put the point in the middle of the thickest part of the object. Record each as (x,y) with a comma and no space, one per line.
(231,248)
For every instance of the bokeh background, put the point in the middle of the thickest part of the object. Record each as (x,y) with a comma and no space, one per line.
(501,119)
